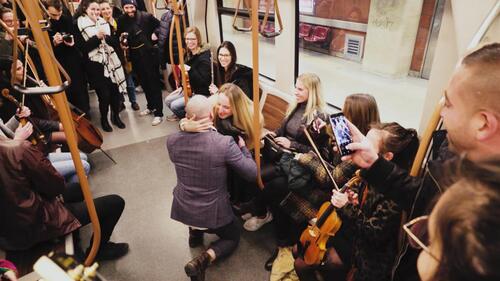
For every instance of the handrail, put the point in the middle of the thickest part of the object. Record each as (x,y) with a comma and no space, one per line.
(237,7)
(266,15)
(33,14)
(434,121)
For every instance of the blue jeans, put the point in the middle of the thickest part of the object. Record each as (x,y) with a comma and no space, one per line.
(131,89)
(63,163)
(175,101)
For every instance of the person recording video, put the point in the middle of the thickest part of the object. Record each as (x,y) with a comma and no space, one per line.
(61,32)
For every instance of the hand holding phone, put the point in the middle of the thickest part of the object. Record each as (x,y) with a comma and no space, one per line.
(341,132)
(364,153)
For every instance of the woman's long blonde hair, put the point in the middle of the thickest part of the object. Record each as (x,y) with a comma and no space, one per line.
(315,101)
(242,108)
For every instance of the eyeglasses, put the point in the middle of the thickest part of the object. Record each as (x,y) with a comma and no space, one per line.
(225,55)
(191,39)
(416,229)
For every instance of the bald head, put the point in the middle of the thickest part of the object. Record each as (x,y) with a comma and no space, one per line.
(198,106)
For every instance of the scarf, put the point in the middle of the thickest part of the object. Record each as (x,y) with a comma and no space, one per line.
(104,54)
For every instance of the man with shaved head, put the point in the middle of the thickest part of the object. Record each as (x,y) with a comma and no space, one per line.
(471,115)
(201,201)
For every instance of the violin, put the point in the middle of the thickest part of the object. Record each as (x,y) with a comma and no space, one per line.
(189,90)
(37,136)
(314,238)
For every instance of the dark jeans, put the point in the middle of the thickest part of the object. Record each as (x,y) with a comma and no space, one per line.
(146,66)
(275,190)
(229,235)
(108,96)
(109,208)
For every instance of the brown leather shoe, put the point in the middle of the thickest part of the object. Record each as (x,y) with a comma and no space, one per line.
(197,266)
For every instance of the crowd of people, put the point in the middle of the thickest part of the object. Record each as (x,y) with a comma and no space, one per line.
(448,215)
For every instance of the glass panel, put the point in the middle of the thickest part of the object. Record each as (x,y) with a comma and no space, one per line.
(243,43)
(244,4)
(332,40)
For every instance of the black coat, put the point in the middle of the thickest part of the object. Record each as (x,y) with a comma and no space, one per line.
(414,195)
(164,36)
(72,61)
(241,76)
(199,74)
(94,70)
(139,29)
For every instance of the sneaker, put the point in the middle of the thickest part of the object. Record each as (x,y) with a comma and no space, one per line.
(135,106)
(246,216)
(172,118)
(157,120)
(139,89)
(112,251)
(145,112)
(254,223)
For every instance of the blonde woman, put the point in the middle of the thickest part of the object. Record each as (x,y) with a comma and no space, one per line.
(233,115)
(309,103)
(235,111)
(308,106)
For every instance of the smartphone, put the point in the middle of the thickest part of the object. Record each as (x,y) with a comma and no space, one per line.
(341,132)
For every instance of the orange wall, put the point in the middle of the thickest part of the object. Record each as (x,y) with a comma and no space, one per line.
(424,27)
(347,10)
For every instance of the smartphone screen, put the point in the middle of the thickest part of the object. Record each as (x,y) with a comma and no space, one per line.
(341,132)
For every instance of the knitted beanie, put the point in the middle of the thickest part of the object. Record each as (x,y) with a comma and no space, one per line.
(129,2)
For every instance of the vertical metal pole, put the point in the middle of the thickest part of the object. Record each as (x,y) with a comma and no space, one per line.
(255,77)
(33,15)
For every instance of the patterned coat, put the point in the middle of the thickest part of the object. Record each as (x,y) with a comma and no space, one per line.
(374,225)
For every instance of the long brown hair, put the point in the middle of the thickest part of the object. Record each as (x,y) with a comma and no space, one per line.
(467,225)
(224,76)
(361,110)
(242,108)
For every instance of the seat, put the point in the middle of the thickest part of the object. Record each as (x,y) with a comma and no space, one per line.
(273,108)
(269,28)
(319,34)
(304,30)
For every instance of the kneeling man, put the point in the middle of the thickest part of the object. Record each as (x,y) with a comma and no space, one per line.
(201,201)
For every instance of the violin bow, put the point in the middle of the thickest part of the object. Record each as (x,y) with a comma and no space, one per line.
(323,163)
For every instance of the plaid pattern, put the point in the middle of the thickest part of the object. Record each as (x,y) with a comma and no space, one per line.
(341,172)
(105,54)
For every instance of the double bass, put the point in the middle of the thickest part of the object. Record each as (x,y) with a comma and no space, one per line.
(89,137)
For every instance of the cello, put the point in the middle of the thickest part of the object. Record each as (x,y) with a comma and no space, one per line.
(89,137)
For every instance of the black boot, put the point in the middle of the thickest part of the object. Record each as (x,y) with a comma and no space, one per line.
(105,124)
(195,238)
(196,267)
(115,119)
